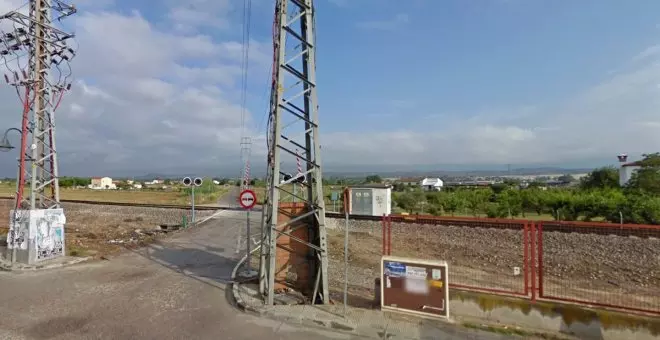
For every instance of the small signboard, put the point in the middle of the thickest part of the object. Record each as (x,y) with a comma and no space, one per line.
(334,196)
(415,286)
(247,199)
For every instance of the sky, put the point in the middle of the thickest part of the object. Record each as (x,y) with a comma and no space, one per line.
(446,84)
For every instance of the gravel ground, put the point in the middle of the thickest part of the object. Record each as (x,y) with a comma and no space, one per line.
(97,230)
(606,269)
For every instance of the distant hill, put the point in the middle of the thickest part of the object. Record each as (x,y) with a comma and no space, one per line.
(459,173)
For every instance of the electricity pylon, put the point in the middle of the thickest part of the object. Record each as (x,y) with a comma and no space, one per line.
(294,124)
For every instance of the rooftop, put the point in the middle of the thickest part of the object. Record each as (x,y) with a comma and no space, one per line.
(371,186)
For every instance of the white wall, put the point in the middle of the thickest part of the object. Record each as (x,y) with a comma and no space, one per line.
(382,201)
(625,173)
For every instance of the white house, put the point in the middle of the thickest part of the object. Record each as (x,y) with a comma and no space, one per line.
(432,184)
(155,181)
(99,183)
(626,171)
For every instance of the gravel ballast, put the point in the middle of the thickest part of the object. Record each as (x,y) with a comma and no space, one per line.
(617,270)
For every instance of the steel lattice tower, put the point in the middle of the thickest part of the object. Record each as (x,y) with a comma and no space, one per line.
(47,49)
(294,124)
(246,150)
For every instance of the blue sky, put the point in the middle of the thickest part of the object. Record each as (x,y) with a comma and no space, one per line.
(468,83)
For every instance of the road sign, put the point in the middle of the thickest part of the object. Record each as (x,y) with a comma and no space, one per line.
(247,199)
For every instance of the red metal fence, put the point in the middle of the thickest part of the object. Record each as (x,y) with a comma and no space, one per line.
(597,264)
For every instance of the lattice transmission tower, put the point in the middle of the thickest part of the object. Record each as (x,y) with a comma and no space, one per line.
(294,249)
(246,150)
(40,84)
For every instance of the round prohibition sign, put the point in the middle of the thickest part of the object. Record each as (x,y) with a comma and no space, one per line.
(247,199)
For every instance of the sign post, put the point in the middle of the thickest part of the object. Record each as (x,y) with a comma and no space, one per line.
(248,199)
(334,197)
(414,286)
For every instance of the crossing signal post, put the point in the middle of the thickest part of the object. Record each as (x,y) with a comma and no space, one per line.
(192,183)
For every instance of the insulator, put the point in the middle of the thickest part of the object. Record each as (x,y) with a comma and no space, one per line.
(68,86)
(25,76)
(4,52)
(65,57)
(9,36)
(6,78)
(71,50)
(15,75)
(21,30)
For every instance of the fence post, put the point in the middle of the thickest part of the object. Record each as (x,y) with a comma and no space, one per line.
(533,260)
(389,235)
(540,257)
(526,256)
(383,227)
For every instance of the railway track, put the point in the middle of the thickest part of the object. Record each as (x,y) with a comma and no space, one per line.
(141,205)
(512,224)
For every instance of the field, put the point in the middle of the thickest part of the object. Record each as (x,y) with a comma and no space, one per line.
(98,230)
(607,269)
(150,196)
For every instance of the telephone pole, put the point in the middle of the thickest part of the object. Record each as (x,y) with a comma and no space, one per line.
(45,80)
(293,247)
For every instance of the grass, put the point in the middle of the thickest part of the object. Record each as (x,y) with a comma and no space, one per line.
(147,196)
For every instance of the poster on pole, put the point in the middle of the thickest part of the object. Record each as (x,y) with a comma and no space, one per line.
(415,286)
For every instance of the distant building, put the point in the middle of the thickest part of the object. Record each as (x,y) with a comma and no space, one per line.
(155,181)
(626,171)
(409,181)
(102,183)
(432,184)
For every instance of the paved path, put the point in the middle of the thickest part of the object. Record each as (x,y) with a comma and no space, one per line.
(230,199)
(176,289)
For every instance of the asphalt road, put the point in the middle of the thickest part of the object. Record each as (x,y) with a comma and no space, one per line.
(176,289)
(230,199)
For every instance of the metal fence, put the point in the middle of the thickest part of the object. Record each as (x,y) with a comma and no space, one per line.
(614,266)
(596,264)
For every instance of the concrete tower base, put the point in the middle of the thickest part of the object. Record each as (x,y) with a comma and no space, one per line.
(35,235)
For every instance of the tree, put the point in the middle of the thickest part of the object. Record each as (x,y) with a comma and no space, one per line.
(647,178)
(405,201)
(373,179)
(451,203)
(476,200)
(511,202)
(565,179)
(602,178)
